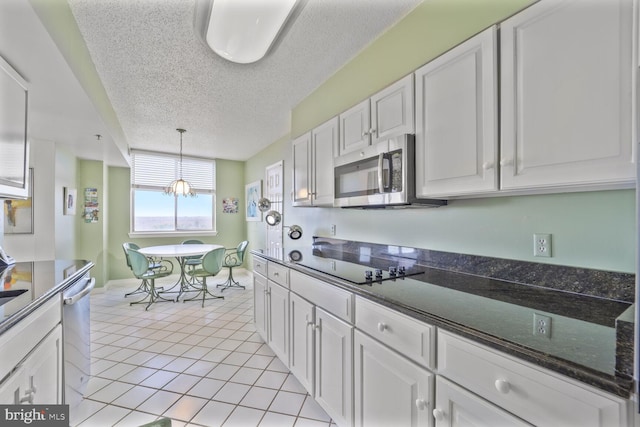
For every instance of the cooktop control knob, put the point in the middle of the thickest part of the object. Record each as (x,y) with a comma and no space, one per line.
(368,274)
(401,270)
(378,273)
(393,271)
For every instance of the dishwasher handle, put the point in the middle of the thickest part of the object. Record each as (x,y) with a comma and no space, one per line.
(85,291)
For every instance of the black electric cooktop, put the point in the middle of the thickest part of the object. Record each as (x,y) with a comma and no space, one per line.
(354,273)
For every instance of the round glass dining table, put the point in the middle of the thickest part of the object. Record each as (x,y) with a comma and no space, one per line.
(179,252)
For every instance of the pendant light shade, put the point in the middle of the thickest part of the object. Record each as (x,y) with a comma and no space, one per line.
(180,187)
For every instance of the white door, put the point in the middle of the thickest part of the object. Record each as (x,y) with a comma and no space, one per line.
(334,367)
(278,320)
(566,94)
(456,120)
(274,191)
(324,140)
(392,110)
(457,407)
(389,389)
(260,305)
(301,148)
(301,348)
(355,125)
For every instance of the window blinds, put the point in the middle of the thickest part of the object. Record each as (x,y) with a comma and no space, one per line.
(157,170)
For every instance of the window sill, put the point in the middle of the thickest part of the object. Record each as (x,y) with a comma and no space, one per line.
(146,234)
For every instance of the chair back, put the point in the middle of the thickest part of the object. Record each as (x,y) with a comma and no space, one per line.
(126,246)
(241,249)
(212,261)
(193,242)
(139,263)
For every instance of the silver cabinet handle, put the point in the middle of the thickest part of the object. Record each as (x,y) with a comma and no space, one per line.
(506,162)
(438,414)
(421,404)
(381,326)
(503,386)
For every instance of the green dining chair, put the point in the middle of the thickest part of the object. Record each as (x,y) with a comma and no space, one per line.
(210,266)
(191,262)
(140,265)
(234,257)
(153,264)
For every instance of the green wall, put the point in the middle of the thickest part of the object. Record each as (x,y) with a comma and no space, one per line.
(90,239)
(590,229)
(432,28)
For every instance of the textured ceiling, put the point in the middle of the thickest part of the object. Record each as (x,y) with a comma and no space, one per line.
(159,75)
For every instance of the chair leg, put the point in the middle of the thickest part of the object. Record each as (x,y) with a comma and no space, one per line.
(152,295)
(204,291)
(143,288)
(230,283)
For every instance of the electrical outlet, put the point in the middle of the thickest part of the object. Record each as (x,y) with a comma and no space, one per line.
(542,245)
(541,325)
(333,229)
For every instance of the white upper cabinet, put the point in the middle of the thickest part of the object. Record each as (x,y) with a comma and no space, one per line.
(392,110)
(566,95)
(354,128)
(388,113)
(313,165)
(456,120)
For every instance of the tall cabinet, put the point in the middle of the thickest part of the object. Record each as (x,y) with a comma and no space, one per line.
(567,87)
(457,120)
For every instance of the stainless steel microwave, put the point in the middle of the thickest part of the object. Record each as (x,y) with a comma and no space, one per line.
(379,176)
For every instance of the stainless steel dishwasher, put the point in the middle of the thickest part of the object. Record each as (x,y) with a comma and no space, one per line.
(76,334)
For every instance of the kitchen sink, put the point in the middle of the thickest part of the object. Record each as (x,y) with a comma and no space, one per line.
(8,295)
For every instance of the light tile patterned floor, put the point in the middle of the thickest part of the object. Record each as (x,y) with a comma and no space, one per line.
(198,366)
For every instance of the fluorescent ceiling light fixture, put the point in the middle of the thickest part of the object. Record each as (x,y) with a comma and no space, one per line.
(242,31)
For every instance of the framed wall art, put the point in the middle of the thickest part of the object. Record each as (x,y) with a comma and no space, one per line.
(253,193)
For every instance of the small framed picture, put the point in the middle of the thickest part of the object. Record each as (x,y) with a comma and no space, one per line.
(253,194)
(70,196)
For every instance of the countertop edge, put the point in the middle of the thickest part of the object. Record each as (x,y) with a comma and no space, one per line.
(617,385)
(31,307)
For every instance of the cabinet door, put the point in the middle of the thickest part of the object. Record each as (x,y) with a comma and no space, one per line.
(355,124)
(301,349)
(260,305)
(457,130)
(301,148)
(278,321)
(392,110)
(324,140)
(38,378)
(389,389)
(334,367)
(566,94)
(456,406)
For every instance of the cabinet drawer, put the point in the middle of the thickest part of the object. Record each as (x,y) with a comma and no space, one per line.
(530,392)
(334,300)
(260,266)
(408,336)
(278,273)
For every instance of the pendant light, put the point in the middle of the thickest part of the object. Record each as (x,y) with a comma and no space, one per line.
(180,187)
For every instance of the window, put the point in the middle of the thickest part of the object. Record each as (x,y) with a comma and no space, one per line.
(153,212)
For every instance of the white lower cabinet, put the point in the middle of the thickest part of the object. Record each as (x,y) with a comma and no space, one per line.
(390,390)
(278,320)
(301,332)
(334,367)
(456,406)
(531,393)
(38,377)
(271,314)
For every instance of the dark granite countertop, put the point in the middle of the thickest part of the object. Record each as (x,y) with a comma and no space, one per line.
(41,281)
(497,313)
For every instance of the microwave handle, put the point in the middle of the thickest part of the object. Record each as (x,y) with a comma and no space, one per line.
(383,184)
(380,173)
